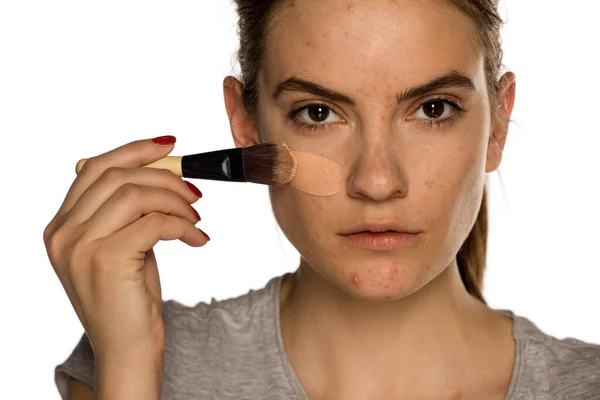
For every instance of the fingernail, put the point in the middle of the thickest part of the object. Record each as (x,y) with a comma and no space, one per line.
(204,233)
(195,213)
(193,189)
(164,140)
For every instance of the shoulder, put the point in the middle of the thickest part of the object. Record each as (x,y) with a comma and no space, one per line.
(207,344)
(225,349)
(567,367)
(232,311)
(215,331)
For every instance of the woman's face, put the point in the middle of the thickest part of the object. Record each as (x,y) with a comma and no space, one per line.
(395,92)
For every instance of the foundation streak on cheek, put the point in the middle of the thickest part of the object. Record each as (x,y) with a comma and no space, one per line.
(316,175)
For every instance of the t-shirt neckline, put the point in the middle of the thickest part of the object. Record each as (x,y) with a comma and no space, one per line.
(294,382)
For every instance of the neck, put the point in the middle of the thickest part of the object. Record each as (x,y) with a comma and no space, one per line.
(339,343)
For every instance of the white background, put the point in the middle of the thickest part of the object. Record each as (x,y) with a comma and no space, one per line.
(78,78)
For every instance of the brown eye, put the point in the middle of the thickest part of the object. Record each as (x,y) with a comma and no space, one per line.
(318,113)
(434,109)
(437,109)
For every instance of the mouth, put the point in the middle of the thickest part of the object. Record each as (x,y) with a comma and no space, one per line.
(384,236)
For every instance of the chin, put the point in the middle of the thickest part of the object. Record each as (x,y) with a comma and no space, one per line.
(379,279)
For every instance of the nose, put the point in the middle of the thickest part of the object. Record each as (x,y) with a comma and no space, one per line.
(377,173)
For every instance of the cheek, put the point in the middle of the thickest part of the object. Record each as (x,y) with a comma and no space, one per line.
(302,218)
(452,189)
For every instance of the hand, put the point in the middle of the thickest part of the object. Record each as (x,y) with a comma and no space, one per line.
(100,245)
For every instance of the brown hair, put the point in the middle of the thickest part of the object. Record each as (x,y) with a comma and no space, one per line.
(254,16)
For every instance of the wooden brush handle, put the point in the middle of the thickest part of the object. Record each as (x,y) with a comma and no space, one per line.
(172,163)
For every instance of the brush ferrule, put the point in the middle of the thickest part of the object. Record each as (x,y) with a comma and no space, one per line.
(220,165)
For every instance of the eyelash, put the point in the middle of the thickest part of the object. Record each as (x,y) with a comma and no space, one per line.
(459,111)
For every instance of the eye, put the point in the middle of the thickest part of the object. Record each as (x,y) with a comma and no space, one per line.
(316,114)
(436,110)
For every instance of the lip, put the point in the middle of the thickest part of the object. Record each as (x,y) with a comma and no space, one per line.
(380,236)
(378,227)
(381,240)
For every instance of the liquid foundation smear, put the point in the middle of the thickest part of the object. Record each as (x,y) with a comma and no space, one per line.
(315,175)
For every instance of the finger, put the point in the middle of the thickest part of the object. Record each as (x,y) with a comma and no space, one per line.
(114,178)
(143,234)
(131,155)
(131,202)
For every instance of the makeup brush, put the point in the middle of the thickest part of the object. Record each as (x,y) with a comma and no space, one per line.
(267,164)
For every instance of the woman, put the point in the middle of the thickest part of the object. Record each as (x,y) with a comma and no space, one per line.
(387,301)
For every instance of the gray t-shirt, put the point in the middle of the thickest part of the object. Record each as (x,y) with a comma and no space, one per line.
(232,349)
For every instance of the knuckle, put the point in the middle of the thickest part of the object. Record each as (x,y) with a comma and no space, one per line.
(48,231)
(113,174)
(91,166)
(130,191)
(55,243)
(78,258)
(167,174)
(156,220)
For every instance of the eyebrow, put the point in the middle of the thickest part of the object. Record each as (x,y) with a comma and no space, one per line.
(450,79)
(300,85)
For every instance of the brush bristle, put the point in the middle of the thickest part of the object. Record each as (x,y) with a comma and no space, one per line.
(269,164)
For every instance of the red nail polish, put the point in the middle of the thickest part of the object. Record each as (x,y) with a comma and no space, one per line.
(164,140)
(195,213)
(204,233)
(193,189)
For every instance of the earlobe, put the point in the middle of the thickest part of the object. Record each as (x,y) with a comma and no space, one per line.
(241,122)
(505,103)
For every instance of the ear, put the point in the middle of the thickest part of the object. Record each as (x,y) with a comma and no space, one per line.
(505,102)
(241,122)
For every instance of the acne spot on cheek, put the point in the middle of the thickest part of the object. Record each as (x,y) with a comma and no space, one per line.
(351,7)
(308,43)
(356,282)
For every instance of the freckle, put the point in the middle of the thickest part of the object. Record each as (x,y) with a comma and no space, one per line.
(324,34)
(386,286)
(308,43)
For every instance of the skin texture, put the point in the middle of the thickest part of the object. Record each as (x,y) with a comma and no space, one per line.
(377,324)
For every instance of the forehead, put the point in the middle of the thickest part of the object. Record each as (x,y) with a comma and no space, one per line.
(343,43)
